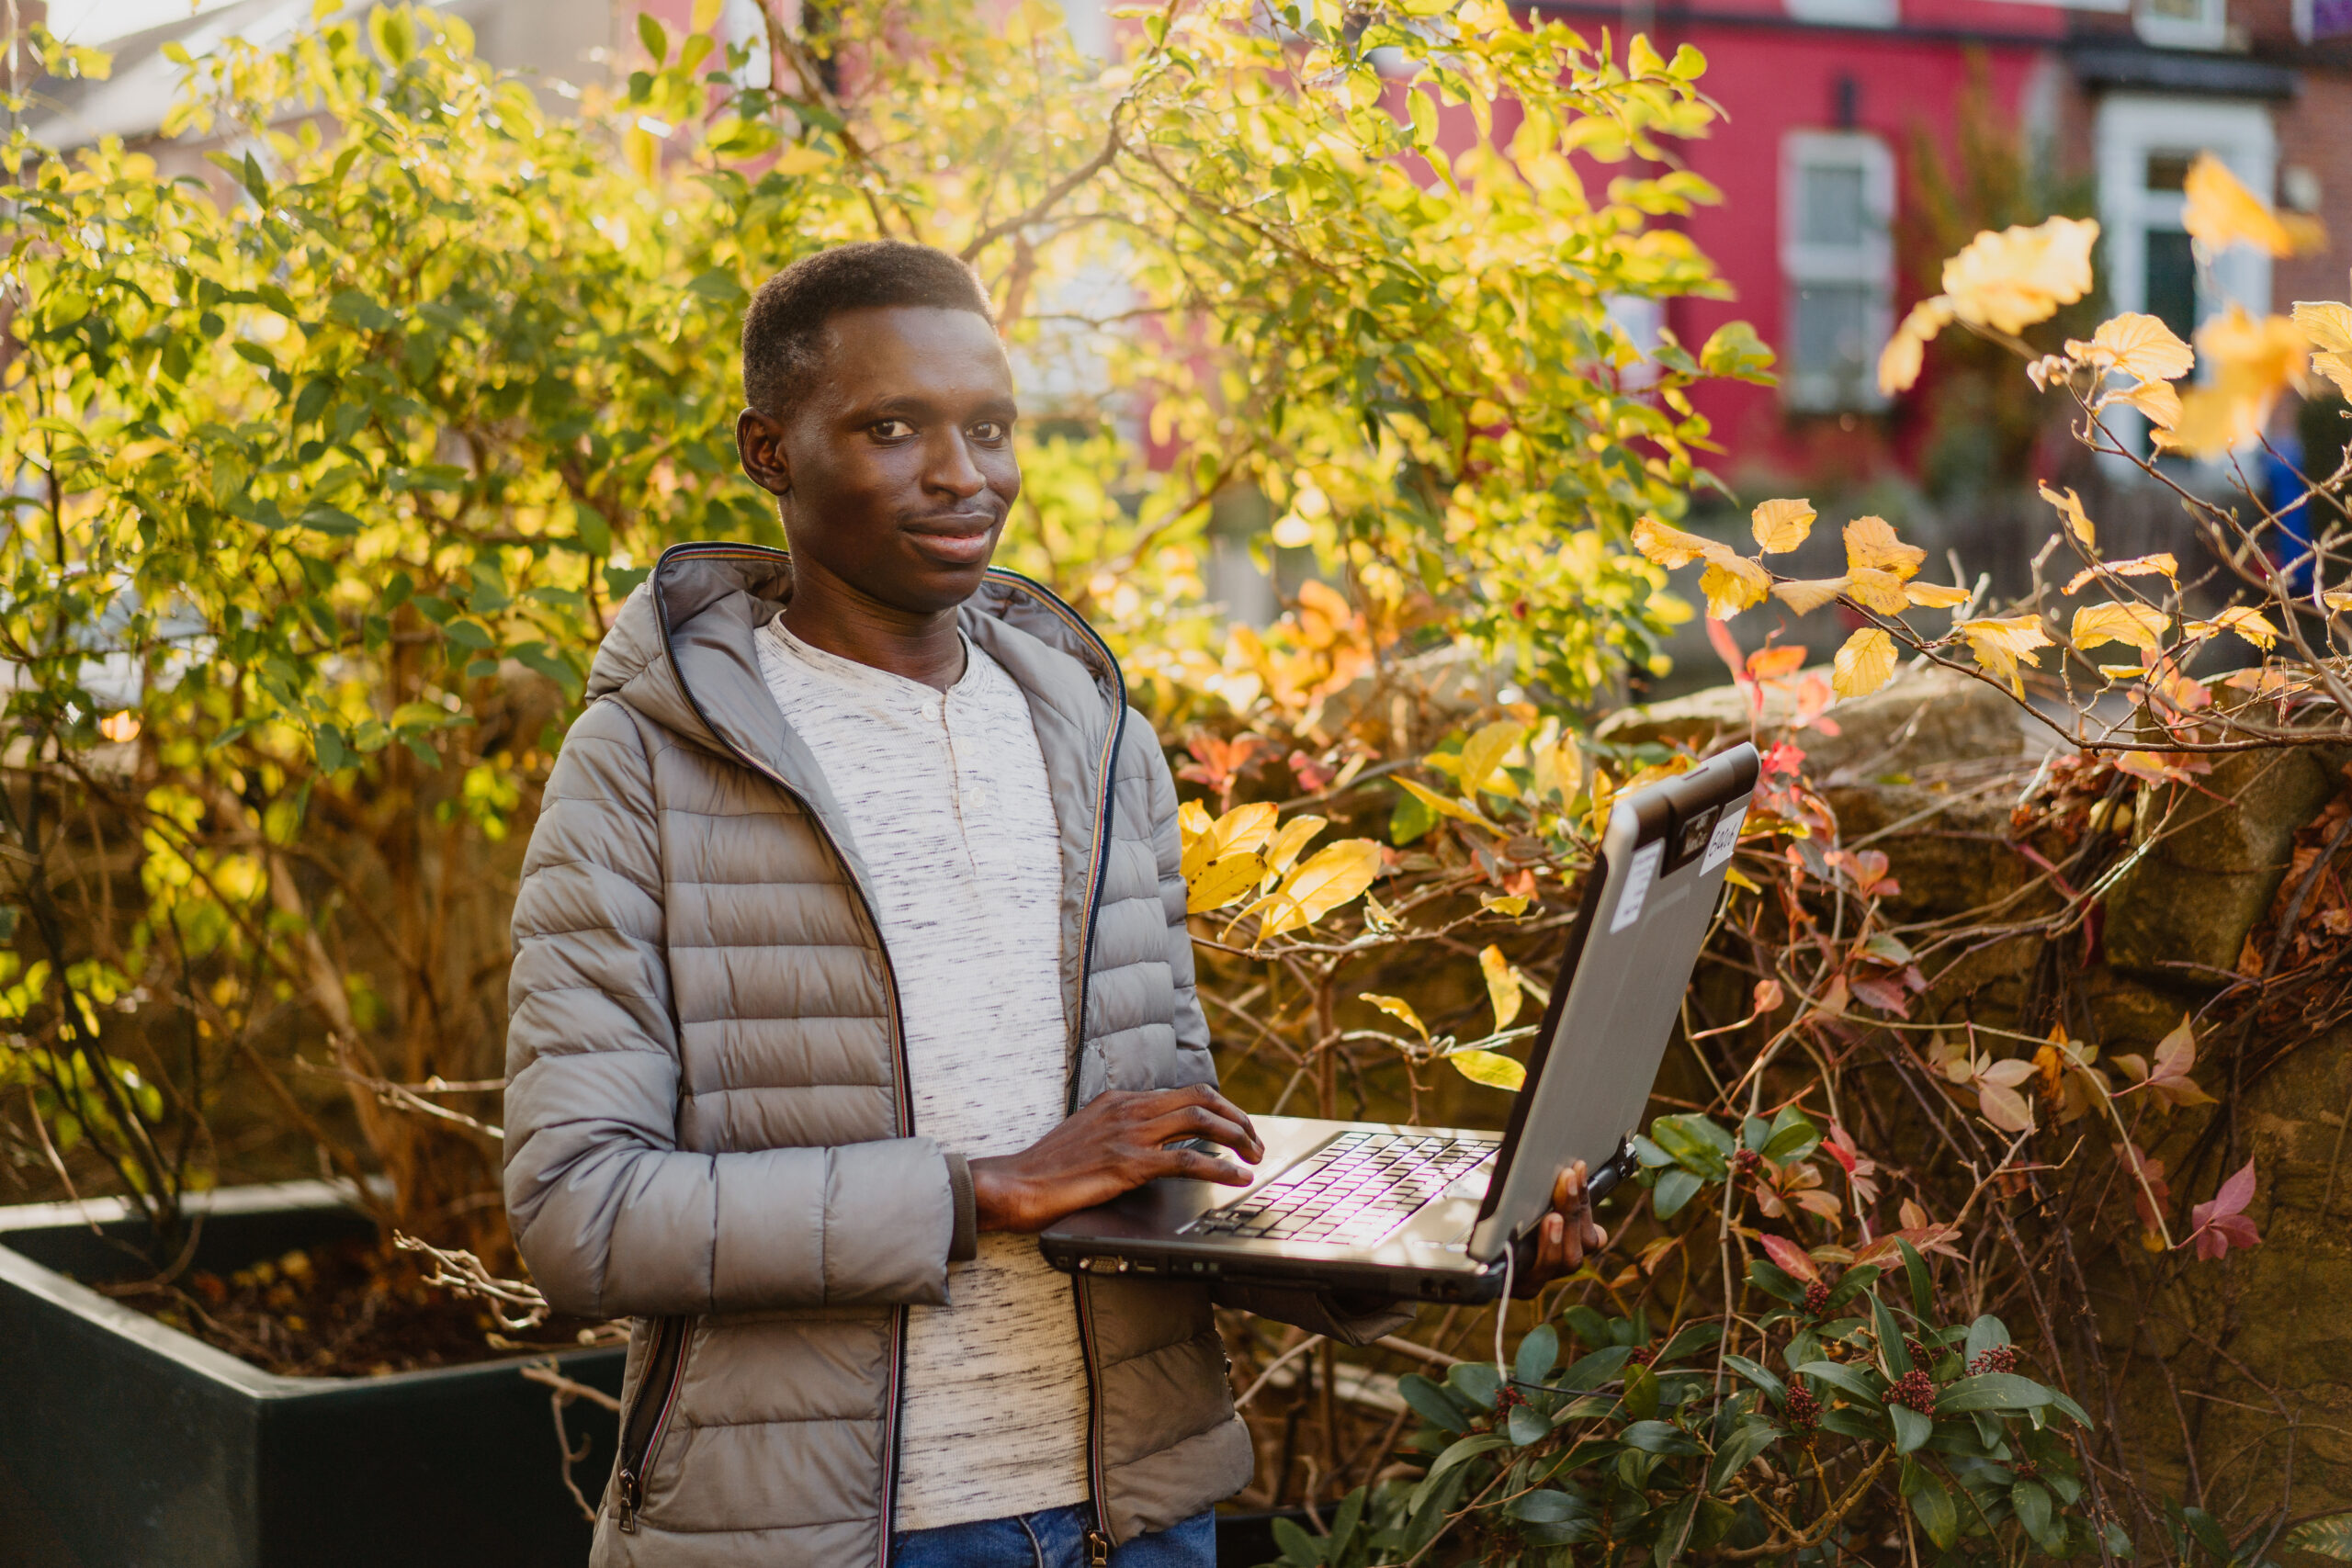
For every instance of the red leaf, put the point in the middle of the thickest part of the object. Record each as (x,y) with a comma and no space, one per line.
(2235,1195)
(2222,1223)
(1791,1258)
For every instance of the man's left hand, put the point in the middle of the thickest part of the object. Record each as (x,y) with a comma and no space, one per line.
(1565,1237)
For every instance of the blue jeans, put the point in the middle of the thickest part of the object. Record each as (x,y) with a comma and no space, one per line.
(1053,1539)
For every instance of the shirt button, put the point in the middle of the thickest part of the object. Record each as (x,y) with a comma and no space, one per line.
(976,797)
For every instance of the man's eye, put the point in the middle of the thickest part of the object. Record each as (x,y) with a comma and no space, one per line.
(892,430)
(991,430)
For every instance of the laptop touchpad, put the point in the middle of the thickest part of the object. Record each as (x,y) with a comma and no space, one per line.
(1472,1185)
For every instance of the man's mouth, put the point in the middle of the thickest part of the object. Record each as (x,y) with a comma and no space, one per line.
(959,538)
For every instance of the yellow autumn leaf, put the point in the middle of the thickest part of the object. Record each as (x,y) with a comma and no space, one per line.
(1296,834)
(1193,820)
(1224,881)
(1781,525)
(1445,808)
(2245,620)
(1489,1068)
(1870,542)
(2253,362)
(2070,510)
(2327,323)
(1559,768)
(642,151)
(1242,829)
(1880,591)
(2137,626)
(2160,564)
(1512,905)
(2159,401)
(1732,583)
(2137,346)
(2000,642)
(1484,752)
(2328,326)
(2338,599)
(1668,546)
(1334,874)
(1935,595)
(1864,664)
(1502,985)
(1900,361)
(2020,275)
(1805,595)
(2220,212)
(1396,1008)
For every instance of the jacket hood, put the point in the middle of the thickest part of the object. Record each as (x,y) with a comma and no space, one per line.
(680,653)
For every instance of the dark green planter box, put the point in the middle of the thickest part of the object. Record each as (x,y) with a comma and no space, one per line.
(126,1444)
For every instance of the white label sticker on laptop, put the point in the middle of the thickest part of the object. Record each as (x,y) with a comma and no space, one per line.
(1726,838)
(1638,877)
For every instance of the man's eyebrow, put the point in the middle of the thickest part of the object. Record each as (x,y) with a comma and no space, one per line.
(900,405)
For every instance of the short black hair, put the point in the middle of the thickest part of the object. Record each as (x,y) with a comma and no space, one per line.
(784,329)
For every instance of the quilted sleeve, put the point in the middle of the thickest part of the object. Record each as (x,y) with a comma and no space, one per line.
(613,1217)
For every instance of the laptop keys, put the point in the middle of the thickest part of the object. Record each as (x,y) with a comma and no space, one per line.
(1352,1192)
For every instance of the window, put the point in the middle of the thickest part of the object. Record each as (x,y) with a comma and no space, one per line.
(1845,13)
(2145,144)
(2181,24)
(1837,195)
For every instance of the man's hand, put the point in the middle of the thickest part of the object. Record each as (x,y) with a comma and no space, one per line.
(1566,1235)
(1117,1142)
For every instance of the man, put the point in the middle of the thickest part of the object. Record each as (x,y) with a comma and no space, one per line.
(850,948)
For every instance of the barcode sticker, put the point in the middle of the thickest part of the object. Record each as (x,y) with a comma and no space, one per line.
(1638,877)
(1726,838)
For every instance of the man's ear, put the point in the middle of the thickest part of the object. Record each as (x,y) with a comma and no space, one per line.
(759,446)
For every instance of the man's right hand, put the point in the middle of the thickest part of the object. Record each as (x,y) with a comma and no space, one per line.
(1115,1143)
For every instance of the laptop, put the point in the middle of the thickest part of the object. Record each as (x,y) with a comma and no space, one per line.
(1431,1212)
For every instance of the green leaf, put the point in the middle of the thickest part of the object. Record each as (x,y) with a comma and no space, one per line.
(1593,1371)
(1345,1521)
(1982,1334)
(594,533)
(1298,1547)
(1457,1453)
(2202,1525)
(2035,1513)
(1640,1398)
(657,42)
(1895,1358)
(1476,1380)
(1772,1386)
(394,35)
(1675,1188)
(1659,1438)
(1739,1450)
(1538,1354)
(1431,1402)
(1791,1136)
(718,284)
(1932,1504)
(1550,1508)
(1993,1391)
(1674,1531)
(1912,1429)
(467,633)
(1852,1284)
(2118,1539)
(1916,1268)
(1774,1280)
(1850,1381)
(1526,1426)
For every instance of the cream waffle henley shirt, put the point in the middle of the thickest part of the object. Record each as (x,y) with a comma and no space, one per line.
(947,802)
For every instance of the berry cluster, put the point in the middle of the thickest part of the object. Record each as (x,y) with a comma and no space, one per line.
(1803,1410)
(1747,1161)
(2026,1470)
(1994,1359)
(1817,1297)
(1505,1399)
(1915,1388)
(1918,1351)
(1643,1356)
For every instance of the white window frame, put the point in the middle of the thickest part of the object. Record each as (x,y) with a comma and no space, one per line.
(2210,29)
(1847,13)
(2129,128)
(1870,263)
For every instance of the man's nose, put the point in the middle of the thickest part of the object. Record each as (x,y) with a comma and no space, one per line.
(952,471)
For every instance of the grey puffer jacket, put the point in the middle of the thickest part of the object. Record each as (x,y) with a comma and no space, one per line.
(708,1125)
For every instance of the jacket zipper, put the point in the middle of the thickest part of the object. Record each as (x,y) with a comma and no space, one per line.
(650,1416)
(906,1106)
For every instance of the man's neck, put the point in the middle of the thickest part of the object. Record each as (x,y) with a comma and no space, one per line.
(827,613)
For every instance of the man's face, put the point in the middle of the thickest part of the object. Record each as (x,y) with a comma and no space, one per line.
(897,468)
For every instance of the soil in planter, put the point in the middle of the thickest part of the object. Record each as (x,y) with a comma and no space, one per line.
(341,1309)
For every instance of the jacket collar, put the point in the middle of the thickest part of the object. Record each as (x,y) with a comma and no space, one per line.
(681,652)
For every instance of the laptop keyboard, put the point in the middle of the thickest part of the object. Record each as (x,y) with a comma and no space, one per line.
(1351,1192)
